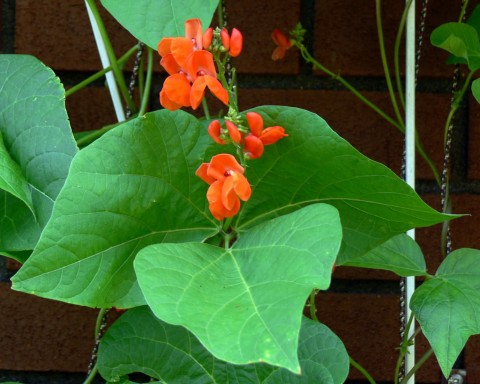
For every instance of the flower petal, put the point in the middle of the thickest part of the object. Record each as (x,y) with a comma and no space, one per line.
(221,164)
(272,135)
(181,49)
(214,130)
(255,122)
(170,64)
(253,147)
(207,38)
(241,186)
(177,89)
(167,103)
(193,31)
(236,43)
(217,89)
(200,63)
(225,38)
(233,131)
(278,53)
(202,173)
(229,197)
(197,92)
(164,46)
(280,39)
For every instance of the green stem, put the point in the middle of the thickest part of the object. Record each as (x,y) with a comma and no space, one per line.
(385,64)
(91,375)
(111,56)
(463,10)
(87,139)
(99,74)
(419,363)
(403,348)
(148,83)
(220,14)
(141,76)
(362,370)
(396,53)
(206,111)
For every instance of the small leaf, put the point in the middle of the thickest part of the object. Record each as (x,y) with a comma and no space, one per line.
(459,39)
(232,299)
(400,255)
(447,307)
(140,342)
(476,89)
(152,20)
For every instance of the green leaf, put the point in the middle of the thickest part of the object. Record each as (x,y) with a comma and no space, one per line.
(140,342)
(36,150)
(134,186)
(476,89)
(245,303)
(447,307)
(459,39)
(313,164)
(152,20)
(400,255)
(20,256)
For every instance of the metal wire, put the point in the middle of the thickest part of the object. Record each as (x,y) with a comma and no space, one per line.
(101,331)
(228,64)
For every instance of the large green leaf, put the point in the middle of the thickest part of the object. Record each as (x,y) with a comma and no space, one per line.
(459,39)
(151,20)
(134,186)
(400,255)
(313,164)
(140,342)
(448,306)
(476,89)
(245,303)
(37,147)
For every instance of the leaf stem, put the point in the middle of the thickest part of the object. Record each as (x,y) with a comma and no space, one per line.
(91,375)
(99,74)
(362,370)
(206,111)
(419,363)
(403,348)
(111,56)
(87,139)
(148,83)
(463,10)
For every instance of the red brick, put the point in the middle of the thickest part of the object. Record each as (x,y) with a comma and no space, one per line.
(369,327)
(474,140)
(346,39)
(43,335)
(472,357)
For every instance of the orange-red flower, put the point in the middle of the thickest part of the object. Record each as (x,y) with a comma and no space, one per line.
(191,69)
(228,185)
(232,43)
(259,137)
(283,43)
(216,133)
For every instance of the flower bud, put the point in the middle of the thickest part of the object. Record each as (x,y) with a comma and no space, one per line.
(225,39)
(236,43)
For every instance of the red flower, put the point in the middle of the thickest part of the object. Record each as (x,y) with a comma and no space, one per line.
(191,69)
(228,185)
(215,132)
(259,137)
(283,43)
(232,43)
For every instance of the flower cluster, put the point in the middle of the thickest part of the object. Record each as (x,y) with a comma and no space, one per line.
(253,140)
(190,63)
(191,68)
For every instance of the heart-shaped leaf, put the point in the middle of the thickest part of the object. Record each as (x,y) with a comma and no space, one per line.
(36,149)
(133,187)
(400,255)
(459,39)
(245,303)
(476,89)
(140,342)
(151,20)
(448,306)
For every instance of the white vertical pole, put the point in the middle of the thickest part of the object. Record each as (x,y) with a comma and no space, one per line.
(410,158)
(112,85)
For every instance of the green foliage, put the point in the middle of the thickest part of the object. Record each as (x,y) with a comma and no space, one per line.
(447,306)
(400,255)
(461,40)
(36,148)
(245,303)
(476,89)
(140,342)
(151,20)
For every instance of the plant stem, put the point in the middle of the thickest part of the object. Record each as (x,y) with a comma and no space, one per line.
(385,64)
(403,348)
(463,10)
(220,14)
(419,363)
(362,370)
(396,53)
(111,56)
(148,83)
(206,111)
(91,375)
(87,139)
(99,74)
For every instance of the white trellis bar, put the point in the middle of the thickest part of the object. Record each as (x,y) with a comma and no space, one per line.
(102,51)
(410,158)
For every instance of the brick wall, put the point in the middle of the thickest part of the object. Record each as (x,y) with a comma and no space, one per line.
(43,341)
